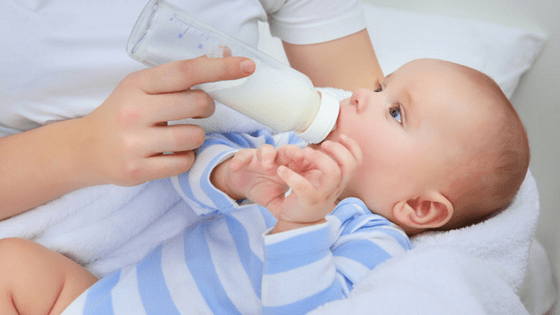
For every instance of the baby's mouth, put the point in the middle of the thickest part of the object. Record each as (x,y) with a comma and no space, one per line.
(331,136)
(336,126)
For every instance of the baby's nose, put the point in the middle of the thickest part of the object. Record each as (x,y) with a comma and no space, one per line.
(361,99)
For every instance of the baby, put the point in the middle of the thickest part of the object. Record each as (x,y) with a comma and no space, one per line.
(438,146)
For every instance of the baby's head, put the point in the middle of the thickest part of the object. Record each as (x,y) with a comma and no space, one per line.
(443,147)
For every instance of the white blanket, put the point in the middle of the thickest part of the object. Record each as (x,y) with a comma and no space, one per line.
(475,270)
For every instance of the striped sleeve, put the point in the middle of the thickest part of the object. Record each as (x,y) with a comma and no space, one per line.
(363,241)
(195,187)
(298,273)
(308,267)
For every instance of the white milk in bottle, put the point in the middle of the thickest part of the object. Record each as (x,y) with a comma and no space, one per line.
(275,95)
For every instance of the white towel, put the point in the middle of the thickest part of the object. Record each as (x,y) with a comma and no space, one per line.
(104,228)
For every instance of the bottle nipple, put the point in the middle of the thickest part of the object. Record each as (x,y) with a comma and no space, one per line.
(325,120)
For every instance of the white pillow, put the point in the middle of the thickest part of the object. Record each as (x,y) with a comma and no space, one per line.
(503,53)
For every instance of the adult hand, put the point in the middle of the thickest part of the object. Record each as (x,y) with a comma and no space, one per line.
(128,134)
(121,142)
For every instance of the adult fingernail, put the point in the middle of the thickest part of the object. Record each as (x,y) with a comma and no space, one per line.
(247,66)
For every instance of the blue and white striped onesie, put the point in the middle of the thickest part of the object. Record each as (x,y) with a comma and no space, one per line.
(228,264)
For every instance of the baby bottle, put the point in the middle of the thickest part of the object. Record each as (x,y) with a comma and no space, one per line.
(275,95)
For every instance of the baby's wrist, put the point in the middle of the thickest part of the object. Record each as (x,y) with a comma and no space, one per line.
(219,178)
(284,226)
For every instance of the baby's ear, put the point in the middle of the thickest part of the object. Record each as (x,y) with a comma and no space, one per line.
(431,210)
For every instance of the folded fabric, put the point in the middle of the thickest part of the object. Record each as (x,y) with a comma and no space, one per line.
(104,228)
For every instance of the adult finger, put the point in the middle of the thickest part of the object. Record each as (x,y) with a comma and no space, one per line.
(180,105)
(168,165)
(174,138)
(183,74)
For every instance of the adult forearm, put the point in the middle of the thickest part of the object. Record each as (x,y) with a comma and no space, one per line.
(40,165)
(346,63)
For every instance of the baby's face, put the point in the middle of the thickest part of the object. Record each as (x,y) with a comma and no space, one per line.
(410,130)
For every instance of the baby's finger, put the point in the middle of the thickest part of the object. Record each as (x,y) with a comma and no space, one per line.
(299,185)
(266,155)
(343,157)
(325,164)
(353,146)
(241,159)
(289,153)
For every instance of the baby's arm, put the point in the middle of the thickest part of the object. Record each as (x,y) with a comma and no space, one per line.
(308,267)
(36,280)
(205,188)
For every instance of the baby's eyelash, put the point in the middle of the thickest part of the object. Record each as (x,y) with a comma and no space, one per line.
(379,89)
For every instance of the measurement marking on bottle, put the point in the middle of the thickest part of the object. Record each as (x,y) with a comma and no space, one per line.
(209,40)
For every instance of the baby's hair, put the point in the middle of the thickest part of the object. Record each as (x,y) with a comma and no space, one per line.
(488,178)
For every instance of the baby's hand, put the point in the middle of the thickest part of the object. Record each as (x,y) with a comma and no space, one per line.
(317,178)
(252,173)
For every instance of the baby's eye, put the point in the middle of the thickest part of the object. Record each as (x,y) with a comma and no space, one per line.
(395,112)
(379,89)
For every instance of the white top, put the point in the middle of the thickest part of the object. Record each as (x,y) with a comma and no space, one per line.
(60,59)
